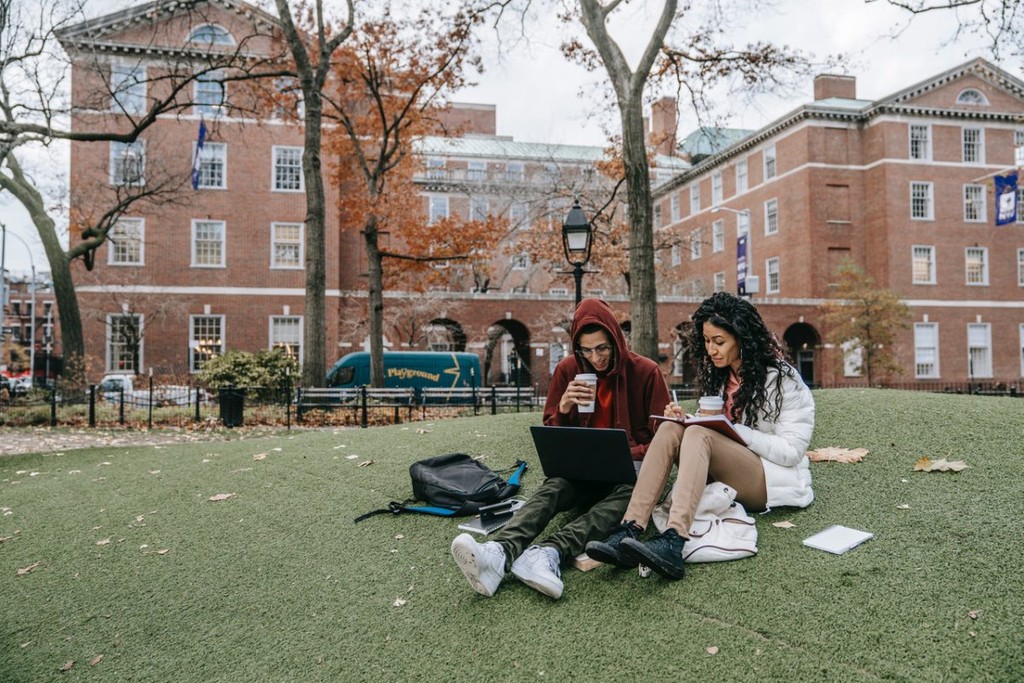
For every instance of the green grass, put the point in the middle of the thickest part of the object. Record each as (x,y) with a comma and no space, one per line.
(278,584)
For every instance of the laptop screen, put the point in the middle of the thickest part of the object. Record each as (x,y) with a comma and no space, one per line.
(584,453)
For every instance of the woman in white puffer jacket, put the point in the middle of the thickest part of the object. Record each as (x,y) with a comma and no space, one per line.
(772,409)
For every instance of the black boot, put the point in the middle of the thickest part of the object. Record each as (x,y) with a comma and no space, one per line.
(663,553)
(608,550)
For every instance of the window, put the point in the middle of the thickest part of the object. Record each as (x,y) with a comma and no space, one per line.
(515,171)
(436,168)
(206,339)
(286,245)
(771,216)
(438,209)
(213,163)
(772,268)
(521,262)
(124,343)
(741,176)
(126,242)
(1020,204)
(979,349)
(210,34)
(926,350)
(694,199)
(517,212)
(287,169)
(128,85)
(656,217)
(920,142)
(719,283)
(695,245)
(743,223)
(769,163)
(923,265)
(207,244)
(853,357)
(1020,267)
(677,257)
(478,208)
(128,163)
(971,96)
(209,94)
(973,146)
(718,236)
(476,170)
(288,102)
(1018,149)
(675,207)
(716,188)
(558,291)
(976,265)
(286,334)
(921,201)
(974,203)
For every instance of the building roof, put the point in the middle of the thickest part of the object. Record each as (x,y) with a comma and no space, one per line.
(493,147)
(708,140)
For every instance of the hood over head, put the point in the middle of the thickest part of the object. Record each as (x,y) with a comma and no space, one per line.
(597,311)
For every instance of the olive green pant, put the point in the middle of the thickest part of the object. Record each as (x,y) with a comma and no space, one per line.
(606,503)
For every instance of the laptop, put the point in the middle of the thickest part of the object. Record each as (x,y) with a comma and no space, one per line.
(584,453)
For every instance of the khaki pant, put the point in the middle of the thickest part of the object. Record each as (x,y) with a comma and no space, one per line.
(703,456)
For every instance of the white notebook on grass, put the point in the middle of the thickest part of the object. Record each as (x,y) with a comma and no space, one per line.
(837,539)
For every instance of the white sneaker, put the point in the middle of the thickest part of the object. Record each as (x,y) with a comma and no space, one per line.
(483,564)
(538,568)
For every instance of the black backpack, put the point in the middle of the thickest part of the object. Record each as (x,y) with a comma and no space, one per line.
(454,485)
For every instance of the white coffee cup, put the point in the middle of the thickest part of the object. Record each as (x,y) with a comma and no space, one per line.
(710,405)
(591,379)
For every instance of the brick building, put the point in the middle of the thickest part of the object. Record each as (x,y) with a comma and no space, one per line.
(903,187)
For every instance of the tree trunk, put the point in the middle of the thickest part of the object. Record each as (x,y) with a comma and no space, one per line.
(643,294)
(314,369)
(375,284)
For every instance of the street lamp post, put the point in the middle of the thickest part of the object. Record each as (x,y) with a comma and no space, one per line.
(576,240)
(746,284)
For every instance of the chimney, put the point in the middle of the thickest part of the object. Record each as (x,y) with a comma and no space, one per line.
(662,135)
(834,85)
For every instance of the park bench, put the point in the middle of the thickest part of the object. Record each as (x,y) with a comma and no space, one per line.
(355,398)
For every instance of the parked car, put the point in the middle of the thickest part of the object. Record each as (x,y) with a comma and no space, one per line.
(114,386)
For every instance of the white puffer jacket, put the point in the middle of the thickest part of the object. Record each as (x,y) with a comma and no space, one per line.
(782,444)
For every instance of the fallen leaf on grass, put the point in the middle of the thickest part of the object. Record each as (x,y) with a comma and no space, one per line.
(260,456)
(837,454)
(4,539)
(903,506)
(221,496)
(163,551)
(926,464)
(26,570)
(974,613)
(365,463)
(95,660)
(67,665)
(399,602)
(784,525)
(422,431)
(712,650)
(104,541)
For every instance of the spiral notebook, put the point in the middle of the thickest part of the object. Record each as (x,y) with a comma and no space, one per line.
(493,517)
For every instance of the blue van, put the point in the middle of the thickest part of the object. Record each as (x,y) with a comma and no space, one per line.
(409,369)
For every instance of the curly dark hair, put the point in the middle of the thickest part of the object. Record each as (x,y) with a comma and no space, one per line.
(759,349)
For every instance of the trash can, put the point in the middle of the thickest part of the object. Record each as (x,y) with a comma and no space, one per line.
(232,405)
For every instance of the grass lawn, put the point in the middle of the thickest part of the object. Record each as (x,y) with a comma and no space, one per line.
(138,576)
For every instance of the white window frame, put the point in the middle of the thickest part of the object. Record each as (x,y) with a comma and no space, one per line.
(281,244)
(123,155)
(773,275)
(437,208)
(742,176)
(920,146)
(926,339)
(197,224)
(479,207)
(127,238)
(214,154)
(436,168)
(521,261)
(981,278)
(718,236)
(656,216)
(979,350)
(743,224)
(677,257)
(719,281)
(696,248)
(674,201)
(717,189)
(915,251)
(199,339)
(273,341)
(517,212)
(212,34)
(128,87)
(694,199)
(209,94)
(515,171)
(771,163)
(972,96)
(476,170)
(1020,267)
(975,209)
(1018,151)
(972,150)
(922,194)
(111,348)
(286,169)
(771,216)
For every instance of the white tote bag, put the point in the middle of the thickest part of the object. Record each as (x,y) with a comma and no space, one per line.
(721,528)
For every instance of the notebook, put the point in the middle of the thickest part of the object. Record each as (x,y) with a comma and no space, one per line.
(837,539)
(584,453)
(493,517)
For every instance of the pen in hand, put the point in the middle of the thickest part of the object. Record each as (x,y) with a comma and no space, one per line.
(675,397)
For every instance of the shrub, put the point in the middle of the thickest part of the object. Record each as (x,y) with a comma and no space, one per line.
(266,372)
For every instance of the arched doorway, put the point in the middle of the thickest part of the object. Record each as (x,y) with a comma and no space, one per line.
(802,342)
(507,357)
(444,334)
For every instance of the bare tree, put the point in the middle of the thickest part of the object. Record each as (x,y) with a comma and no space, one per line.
(1000,23)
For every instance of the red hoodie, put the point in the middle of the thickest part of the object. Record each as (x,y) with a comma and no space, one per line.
(637,386)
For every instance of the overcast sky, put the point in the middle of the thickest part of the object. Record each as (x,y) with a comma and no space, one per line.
(537,93)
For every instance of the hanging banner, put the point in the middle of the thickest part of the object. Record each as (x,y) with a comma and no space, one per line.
(1006,198)
(741,265)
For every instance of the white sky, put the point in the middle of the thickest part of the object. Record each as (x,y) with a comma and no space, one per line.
(537,93)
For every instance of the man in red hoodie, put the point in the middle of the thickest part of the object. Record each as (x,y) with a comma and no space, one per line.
(630,388)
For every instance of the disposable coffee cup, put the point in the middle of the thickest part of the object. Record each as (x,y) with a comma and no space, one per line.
(710,405)
(591,379)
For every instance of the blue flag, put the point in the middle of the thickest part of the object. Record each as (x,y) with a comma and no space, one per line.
(197,160)
(1006,198)
(741,265)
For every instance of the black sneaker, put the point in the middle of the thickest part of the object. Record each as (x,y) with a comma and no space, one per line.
(608,550)
(663,553)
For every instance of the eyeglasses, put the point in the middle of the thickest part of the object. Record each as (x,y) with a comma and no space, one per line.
(599,350)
